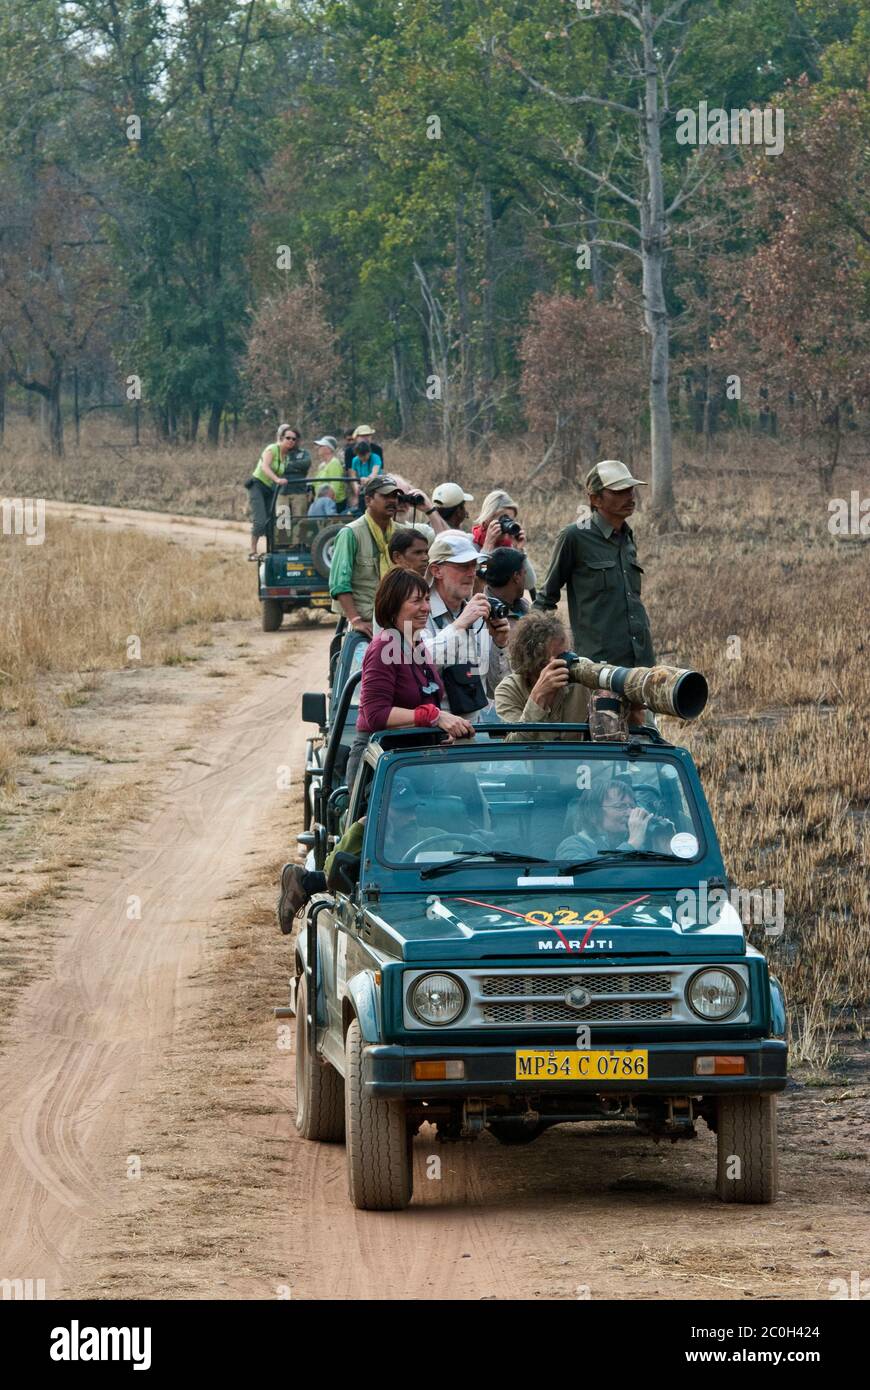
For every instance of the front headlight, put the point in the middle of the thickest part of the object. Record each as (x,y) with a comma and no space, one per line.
(437,999)
(713,994)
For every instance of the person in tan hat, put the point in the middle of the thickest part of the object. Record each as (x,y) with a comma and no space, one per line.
(595,558)
(448,510)
(367,433)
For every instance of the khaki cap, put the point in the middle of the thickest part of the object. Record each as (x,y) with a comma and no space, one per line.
(613,474)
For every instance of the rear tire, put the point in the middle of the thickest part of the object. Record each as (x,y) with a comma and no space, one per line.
(747,1157)
(319,1088)
(379,1164)
(273,614)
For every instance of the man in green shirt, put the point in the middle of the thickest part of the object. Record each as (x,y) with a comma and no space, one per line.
(596,559)
(330,472)
(361,558)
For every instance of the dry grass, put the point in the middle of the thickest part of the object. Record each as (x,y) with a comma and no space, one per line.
(74,606)
(782,750)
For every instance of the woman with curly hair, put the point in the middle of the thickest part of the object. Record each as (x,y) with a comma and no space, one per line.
(538,690)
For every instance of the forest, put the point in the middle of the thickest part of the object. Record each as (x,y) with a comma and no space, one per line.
(600,222)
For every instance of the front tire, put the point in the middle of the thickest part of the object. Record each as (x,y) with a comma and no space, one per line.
(273,614)
(319,1088)
(747,1156)
(379,1162)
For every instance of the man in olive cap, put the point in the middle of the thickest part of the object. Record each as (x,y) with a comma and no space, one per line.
(595,557)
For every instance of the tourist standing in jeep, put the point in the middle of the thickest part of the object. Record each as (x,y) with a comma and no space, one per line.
(283,459)
(361,556)
(597,560)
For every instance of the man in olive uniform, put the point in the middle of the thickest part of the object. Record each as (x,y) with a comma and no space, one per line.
(596,559)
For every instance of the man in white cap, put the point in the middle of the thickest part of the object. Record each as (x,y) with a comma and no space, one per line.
(465,643)
(327,479)
(596,559)
(448,510)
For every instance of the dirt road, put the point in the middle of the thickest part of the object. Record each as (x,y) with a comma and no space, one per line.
(147,1144)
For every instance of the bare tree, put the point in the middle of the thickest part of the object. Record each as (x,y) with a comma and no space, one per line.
(641,228)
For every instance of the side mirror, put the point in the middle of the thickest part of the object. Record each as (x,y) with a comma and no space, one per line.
(314,708)
(344,873)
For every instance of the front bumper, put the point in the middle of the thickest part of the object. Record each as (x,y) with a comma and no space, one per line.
(388,1071)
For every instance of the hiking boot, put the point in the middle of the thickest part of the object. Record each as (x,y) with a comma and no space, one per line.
(293,896)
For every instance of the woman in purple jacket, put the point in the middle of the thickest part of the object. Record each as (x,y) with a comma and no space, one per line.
(400,688)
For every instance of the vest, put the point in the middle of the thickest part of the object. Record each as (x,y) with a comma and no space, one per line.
(462,685)
(366,570)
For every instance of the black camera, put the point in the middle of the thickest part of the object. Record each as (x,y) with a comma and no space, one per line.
(509,527)
(497,609)
(570,657)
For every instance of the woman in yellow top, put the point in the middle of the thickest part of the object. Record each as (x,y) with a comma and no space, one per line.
(283,459)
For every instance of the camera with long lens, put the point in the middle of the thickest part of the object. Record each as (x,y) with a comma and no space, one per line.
(663,689)
(509,527)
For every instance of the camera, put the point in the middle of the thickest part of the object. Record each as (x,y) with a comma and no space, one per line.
(509,527)
(411,499)
(497,609)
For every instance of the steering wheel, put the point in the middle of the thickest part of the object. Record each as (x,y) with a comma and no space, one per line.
(470,841)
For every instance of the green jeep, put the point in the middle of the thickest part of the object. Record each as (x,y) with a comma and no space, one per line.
(294,571)
(502,958)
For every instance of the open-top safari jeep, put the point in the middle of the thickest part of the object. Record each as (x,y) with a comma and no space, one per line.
(294,571)
(490,962)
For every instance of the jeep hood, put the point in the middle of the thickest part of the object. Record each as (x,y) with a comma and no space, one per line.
(462,927)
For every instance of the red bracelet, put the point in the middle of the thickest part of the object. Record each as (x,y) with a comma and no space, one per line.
(427,714)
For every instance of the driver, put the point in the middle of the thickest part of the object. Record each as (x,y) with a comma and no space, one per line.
(612,819)
(404,828)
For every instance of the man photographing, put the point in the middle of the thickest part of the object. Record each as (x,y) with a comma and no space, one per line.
(466,642)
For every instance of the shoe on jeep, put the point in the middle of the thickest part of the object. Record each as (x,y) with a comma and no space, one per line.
(293,896)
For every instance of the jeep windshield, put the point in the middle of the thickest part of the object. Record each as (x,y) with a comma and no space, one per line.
(559,808)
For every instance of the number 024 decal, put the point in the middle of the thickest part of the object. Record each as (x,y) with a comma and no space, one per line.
(564,917)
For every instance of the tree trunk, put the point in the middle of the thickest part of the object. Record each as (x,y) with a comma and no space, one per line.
(653,236)
(489,353)
(76,411)
(55,413)
(466,345)
(214,423)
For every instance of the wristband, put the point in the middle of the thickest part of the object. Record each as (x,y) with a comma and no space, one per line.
(426,715)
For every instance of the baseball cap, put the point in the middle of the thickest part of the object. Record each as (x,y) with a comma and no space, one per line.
(328,440)
(452,548)
(450,495)
(361,430)
(613,474)
(381,482)
(504,562)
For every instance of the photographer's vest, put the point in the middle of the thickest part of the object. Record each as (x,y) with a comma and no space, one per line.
(366,574)
(463,686)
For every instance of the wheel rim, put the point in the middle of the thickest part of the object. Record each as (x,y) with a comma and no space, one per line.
(327,553)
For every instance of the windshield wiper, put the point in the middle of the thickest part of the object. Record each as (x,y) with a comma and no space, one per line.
(607,856)
(500,855)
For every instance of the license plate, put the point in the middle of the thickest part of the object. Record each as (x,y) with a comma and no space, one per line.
(582,1066)
(295,569)
(320,602)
